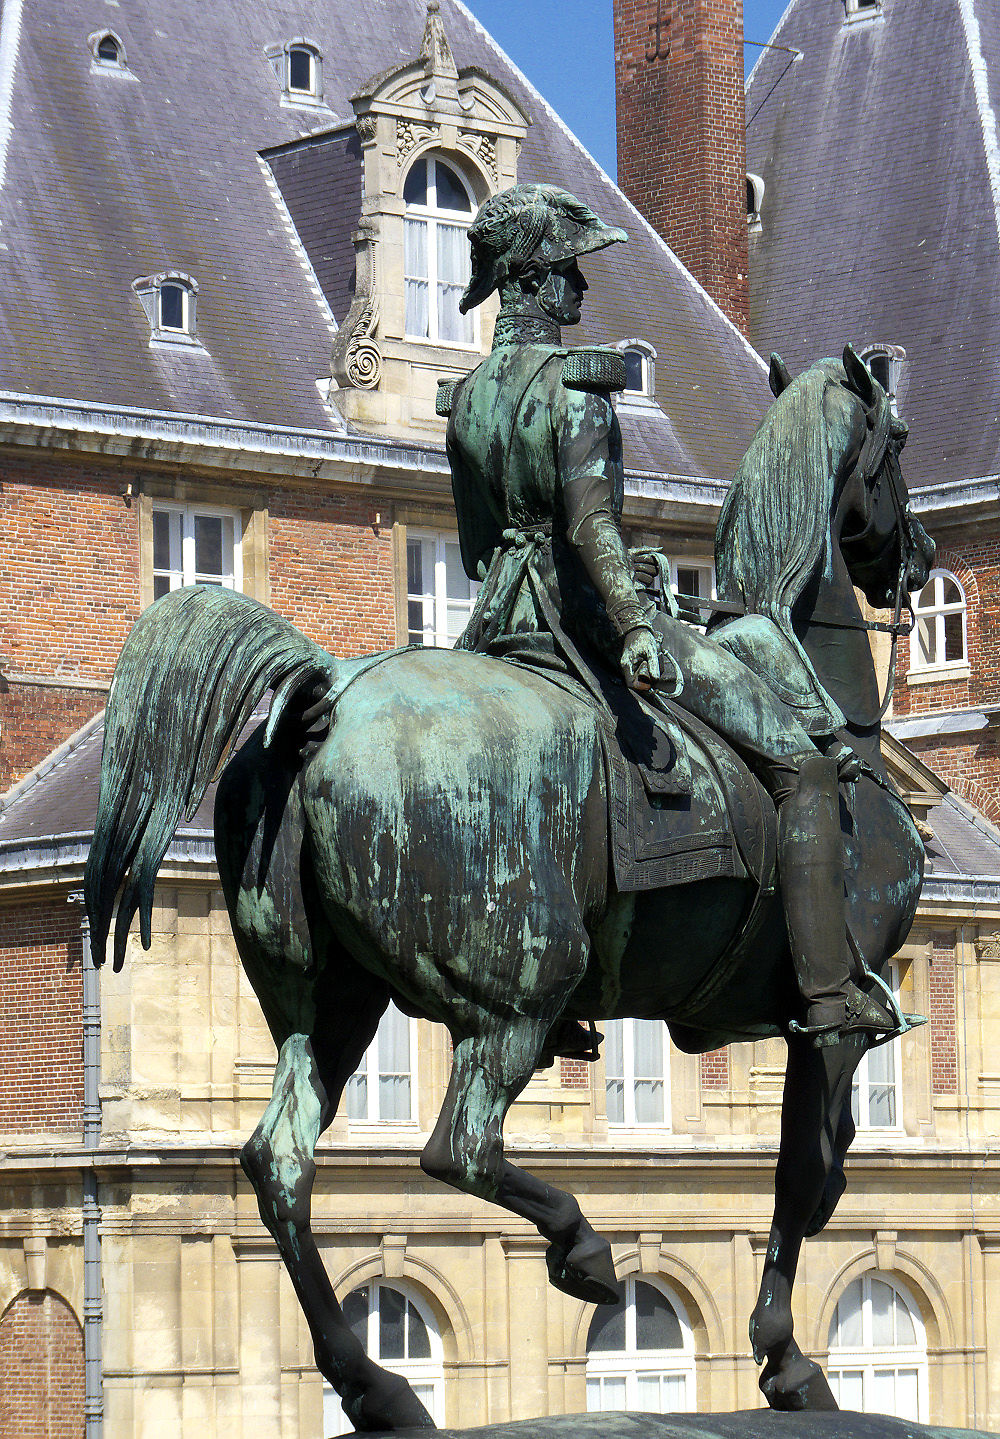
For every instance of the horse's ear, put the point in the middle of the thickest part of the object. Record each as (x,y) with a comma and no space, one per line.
(860,376)
(778,376)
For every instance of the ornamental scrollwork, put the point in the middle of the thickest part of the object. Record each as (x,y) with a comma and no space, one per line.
(356,362)
(410,134)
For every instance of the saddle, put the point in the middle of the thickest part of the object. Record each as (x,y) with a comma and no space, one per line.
(681,805)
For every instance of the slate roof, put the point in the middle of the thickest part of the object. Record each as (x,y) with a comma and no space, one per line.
(49,816)
(878,149)
(110,178)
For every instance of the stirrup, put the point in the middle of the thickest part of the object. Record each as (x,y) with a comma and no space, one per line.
(854,1019)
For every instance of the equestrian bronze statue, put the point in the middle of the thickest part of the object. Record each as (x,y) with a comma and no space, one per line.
(588,809)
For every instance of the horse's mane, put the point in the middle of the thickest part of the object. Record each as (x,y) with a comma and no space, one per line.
(774,530)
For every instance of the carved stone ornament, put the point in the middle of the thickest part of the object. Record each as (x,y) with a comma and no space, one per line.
(485,151)
(988,947)
(356,362)
(409,134)
(366,126)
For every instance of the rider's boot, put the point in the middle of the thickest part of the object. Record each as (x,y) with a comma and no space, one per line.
(811,869)
(568,1039)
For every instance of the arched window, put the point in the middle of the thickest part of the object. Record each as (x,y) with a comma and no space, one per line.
(884,362)
(640,1354)
(303,70)
(939,636)
(755,198)
(439,209)
(170,302)
(640,371)
(108,50)
(399,1332)
(878,1351)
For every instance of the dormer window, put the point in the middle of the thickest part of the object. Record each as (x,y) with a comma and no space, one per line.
(862,9)
(170,302)
(755,198)
(640,359)
(439,209)
(108,51)
(885,364)
(298,66)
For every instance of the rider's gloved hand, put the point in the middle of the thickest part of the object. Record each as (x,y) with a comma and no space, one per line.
(640,658)
(645,569)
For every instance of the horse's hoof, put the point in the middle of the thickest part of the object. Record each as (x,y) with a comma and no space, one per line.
(836,1186)
(387,1403)
(585,1272)
(801,1385)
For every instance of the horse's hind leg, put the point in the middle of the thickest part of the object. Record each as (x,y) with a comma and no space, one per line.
(278,1160)
(466,1151)
(817,1088)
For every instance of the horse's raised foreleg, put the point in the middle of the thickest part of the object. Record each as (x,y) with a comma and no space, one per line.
(817,1088)
(466,1151)
(278,1160)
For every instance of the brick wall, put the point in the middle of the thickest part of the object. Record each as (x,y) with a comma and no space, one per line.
(41,1370)
(330,573)
(715,1069)
(41,998)
(682,134)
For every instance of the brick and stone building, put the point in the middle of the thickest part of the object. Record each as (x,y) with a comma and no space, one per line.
(229,272)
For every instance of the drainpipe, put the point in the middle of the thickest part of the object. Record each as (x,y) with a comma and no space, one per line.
(93,1310)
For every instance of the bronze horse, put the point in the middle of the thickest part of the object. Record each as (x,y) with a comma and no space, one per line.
(444,845)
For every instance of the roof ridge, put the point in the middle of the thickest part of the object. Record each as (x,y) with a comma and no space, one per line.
(748,81)
(10,39)
(974,816)
(656,236)
(981,90)
(49,763)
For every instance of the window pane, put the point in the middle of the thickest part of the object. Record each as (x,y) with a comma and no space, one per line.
(355,1308)
(418,1342)
(848,1387)
(605,1393)
(647,1038)
(459,589)
(924,633)
(394,1042)
(451,193)
(161,540)
(208,554)
(649,1107)
(950,592)
(905,1333)
(161,586)
(883,1302)
(845,1330)
(656,1324)
(108,48)
(954,639)
(607,1330)
(415,186)
(391,1312)
(905,1399)
(879,366)
(633,370)
(453,275)
(171,307)
(415,248)
(357,1095)
(300,64)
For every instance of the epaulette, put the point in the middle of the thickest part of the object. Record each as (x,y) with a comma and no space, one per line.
(596,369)
(445,396)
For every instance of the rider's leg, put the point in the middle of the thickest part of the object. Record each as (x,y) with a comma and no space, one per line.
(735,702)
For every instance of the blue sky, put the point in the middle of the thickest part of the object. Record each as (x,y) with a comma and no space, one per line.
(573,64)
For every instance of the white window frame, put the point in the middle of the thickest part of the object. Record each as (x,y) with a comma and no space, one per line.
(705,568)
(645,398)
(856,10)
(149,287)
(937,612)
(894,355)
(185,573)
(370,1068)
(426,1373)
(100,65)
(280,60)
(868,1362)
(863,1084)
(629,1079)
(435,600)
(755,184)
(631,1363)
(431,215)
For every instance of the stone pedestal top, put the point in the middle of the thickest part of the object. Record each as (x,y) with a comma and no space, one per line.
(743,1424)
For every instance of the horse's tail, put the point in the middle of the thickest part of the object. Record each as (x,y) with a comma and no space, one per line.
(189,677)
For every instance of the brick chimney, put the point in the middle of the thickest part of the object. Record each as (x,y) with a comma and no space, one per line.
(682,134)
